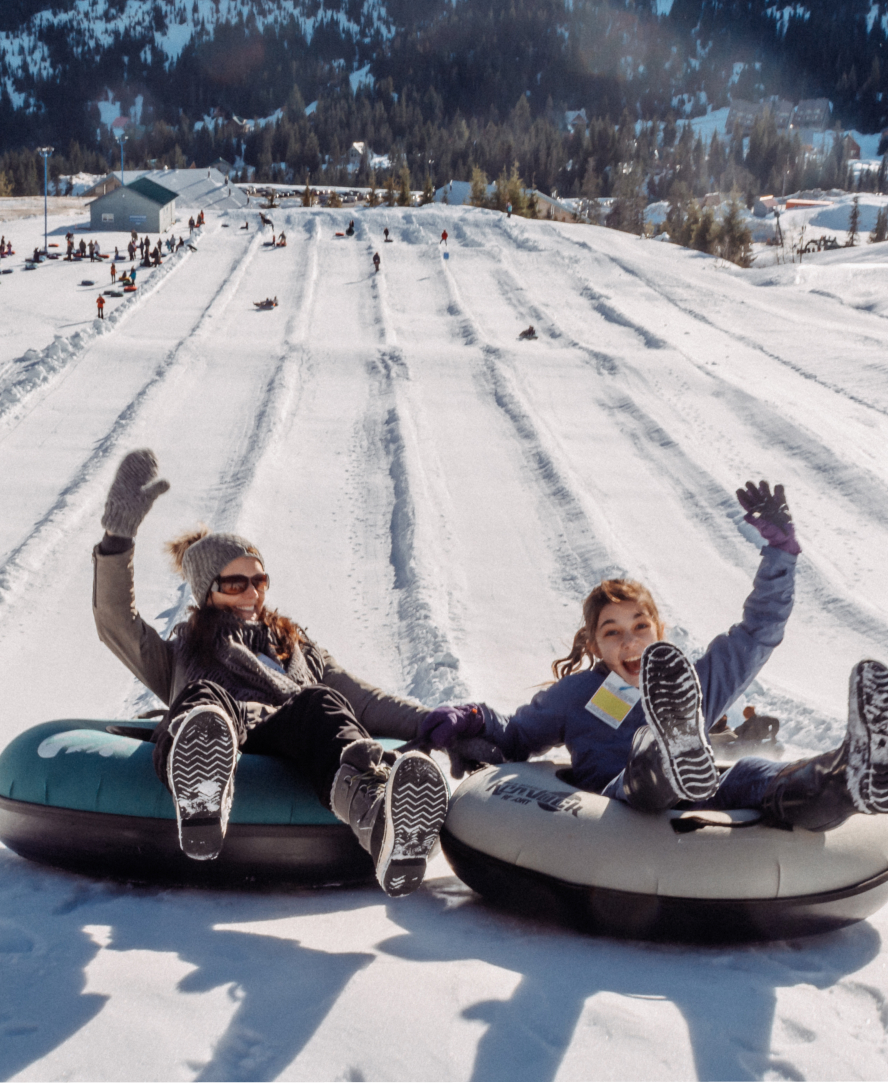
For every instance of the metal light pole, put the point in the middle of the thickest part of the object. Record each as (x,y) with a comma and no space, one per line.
(45,153)
(122,138)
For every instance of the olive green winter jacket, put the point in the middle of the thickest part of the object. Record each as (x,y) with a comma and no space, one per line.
(158,666)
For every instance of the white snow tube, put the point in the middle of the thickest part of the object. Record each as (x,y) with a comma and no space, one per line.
(521,836)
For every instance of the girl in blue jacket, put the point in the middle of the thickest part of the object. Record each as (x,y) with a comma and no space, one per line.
(636,721)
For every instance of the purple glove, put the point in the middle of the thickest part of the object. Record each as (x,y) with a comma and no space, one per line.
(448,723)
(768,513)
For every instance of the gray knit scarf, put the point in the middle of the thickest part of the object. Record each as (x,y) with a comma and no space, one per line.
(235,666)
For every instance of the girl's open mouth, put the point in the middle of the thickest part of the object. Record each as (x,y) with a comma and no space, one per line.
(632,666)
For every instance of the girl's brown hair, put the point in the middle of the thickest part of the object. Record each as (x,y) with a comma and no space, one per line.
(607,591)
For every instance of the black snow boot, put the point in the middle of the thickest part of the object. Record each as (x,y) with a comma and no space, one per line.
(867,738)
(646,786)
(200,772)
(671,698)
(812,793)
(822,792)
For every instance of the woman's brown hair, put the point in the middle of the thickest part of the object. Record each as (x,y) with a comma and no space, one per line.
(607,591)
(203,619)
(202,625)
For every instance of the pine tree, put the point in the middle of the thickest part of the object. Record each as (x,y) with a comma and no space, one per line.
(306,195)
(390,190)
(854,222)
(734,237)
(373,197)
(515,192)
(428,191)
(880,233)
(478,196)
(705,235)
(404,195)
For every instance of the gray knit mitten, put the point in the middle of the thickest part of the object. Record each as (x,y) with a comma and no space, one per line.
(132,493)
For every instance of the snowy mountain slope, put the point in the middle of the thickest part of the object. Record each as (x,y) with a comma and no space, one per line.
(433,498)
(160,30)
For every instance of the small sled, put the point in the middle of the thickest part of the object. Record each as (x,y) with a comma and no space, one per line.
(446,255)
(129,289)
(389,240)
(339,234)
(87,282)
(8,271)
(112,293)
(268,303)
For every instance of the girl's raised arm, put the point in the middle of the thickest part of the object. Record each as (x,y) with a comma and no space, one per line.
(733,659)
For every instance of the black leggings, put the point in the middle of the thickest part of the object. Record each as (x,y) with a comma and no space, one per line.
(311,729)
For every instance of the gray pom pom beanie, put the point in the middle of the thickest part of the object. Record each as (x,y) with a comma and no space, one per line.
(205,559)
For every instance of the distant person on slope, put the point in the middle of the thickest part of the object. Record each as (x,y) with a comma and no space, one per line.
(239,676)
(376,261)
(636,720)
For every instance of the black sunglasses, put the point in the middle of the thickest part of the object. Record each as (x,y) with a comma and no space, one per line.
(237,584)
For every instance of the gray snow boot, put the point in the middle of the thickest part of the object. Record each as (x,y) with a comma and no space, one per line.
(671,698)
(396,811)
(200,772)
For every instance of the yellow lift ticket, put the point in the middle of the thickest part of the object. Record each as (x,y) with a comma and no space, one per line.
(613,700)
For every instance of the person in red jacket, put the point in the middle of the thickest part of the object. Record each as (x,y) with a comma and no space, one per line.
(100,302)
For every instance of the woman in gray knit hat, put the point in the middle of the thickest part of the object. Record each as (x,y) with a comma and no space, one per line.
(239,676)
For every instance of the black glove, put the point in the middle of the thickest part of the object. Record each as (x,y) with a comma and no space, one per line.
(133,491)
(768,513)
(470,753)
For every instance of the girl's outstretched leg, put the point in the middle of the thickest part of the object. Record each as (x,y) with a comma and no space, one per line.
(822,792)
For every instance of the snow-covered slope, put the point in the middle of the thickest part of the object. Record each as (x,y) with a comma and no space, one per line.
(433,498)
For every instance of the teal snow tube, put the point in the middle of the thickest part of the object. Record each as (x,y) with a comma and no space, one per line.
(83,794)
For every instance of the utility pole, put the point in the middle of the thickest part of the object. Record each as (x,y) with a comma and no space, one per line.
(45,152)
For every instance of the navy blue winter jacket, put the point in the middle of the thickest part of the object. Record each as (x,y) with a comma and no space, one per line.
(557,715)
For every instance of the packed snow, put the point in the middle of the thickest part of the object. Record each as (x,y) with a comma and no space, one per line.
(433,498)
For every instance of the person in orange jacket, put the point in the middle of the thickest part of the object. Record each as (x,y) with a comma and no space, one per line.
(100,302)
